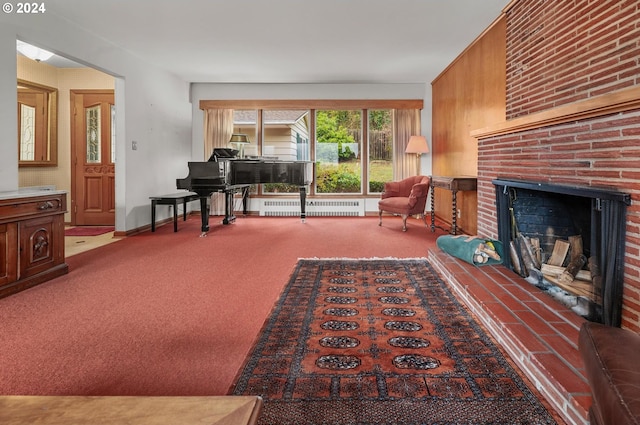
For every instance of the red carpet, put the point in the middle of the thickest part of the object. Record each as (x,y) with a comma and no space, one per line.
(384,342)
(169,313)
(88,230)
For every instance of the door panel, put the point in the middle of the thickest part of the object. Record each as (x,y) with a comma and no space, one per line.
(93,187)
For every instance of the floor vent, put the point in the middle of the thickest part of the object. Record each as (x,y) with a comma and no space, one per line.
(317,208)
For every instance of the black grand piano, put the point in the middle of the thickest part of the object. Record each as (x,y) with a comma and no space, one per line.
(228,174)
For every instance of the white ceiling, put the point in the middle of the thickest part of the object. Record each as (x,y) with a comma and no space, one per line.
(288,41)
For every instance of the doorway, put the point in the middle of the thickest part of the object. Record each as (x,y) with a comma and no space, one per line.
(92,158)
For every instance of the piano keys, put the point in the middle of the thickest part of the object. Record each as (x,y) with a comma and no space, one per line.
(232,175)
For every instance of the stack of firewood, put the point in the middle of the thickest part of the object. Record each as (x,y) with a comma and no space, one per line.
(565,268)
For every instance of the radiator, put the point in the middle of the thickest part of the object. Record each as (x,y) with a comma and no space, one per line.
(314,207)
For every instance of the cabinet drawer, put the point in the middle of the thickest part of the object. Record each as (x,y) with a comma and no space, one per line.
(25,207)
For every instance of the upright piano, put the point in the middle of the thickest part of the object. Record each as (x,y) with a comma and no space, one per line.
(230,175)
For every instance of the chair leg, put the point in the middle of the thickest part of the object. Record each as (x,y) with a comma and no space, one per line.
(404,222)
(380,215)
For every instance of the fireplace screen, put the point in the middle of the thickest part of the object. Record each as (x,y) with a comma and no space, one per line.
(567,240)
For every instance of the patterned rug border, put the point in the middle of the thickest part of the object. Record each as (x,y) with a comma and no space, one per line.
(406,409)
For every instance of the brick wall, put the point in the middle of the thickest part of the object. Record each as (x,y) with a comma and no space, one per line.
(559,52)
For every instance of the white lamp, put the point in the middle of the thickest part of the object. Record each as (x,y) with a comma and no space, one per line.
(417,145)
(32,52)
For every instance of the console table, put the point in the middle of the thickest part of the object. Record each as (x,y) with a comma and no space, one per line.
(454,184)
(118,410)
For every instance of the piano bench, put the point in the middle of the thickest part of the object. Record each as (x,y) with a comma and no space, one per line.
(172,200)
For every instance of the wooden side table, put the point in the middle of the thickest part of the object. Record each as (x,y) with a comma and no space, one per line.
(118,410)
(454,184)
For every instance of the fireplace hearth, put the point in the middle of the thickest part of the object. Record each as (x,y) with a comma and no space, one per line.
(568,240)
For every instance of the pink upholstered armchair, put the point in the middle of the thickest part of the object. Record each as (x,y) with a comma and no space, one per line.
(405,197)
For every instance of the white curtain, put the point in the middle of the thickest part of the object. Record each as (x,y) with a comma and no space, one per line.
(218,128)
(406,124)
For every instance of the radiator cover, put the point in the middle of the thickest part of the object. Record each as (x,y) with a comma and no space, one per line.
(317,208)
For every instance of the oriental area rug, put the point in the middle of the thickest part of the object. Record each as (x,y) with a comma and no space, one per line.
(380,341)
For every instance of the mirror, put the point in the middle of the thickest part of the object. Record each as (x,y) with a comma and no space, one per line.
(37,125)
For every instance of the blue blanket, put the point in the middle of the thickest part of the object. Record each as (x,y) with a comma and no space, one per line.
(472,249)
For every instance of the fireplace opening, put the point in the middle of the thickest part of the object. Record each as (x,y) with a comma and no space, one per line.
(567,240)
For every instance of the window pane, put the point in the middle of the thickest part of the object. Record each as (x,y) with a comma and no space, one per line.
(338,147)
(94,137)
(285,136)
(380,149)
(27,132)
(246,122)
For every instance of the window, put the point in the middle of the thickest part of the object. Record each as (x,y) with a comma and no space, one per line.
(380,135)
(246,122)
(285,136)
(338,151)
(352,142)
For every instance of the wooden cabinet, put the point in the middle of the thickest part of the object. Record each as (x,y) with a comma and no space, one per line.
(31,239)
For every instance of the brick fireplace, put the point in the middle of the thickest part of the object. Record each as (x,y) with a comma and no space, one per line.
(551,214)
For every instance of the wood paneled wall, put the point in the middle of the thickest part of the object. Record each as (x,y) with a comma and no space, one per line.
(469,94)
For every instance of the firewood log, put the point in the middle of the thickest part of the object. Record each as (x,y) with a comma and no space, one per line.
(515,258)
(581,289)
(548,269)
(572,269)
(575,246)
(535,244)
(559,253)
(525,253)
(532,252)
(490,252)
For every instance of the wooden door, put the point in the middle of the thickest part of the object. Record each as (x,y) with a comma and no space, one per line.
(93,152)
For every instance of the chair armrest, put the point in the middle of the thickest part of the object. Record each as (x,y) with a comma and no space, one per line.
(418,191)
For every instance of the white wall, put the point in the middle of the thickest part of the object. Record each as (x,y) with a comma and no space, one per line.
(8,111)
(210,91)
(152,109)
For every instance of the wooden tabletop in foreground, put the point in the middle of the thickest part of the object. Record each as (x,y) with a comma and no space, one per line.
(129,410)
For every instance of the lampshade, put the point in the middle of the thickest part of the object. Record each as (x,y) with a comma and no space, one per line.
(32,52)
(417,145)
(239,138)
